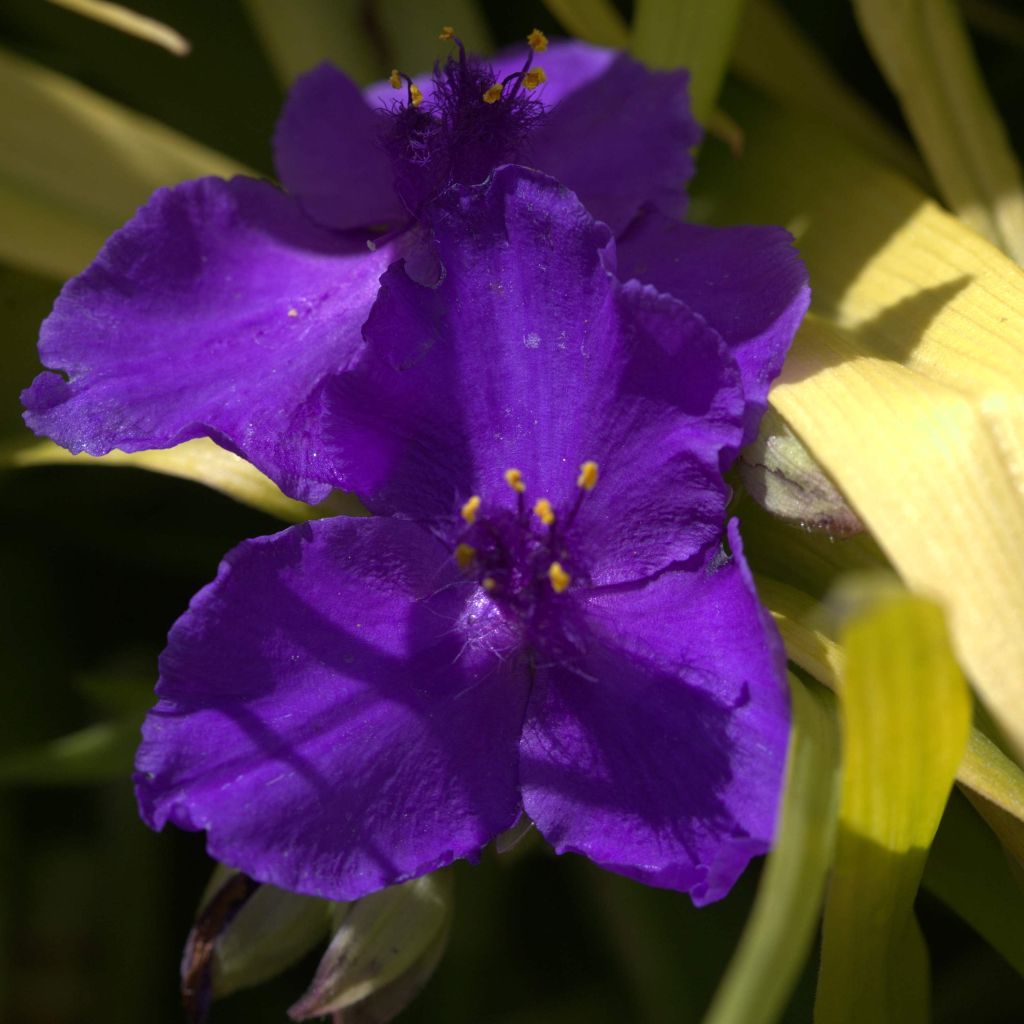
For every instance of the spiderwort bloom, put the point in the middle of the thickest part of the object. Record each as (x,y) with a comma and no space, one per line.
(540,616)
(222,308)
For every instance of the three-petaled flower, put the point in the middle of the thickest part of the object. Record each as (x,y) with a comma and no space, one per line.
(540,616)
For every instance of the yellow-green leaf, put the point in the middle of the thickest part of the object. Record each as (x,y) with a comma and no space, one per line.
(924,51)
(782,924)
(691,34)
(411,29)
(905,715)
(131,22)
(922,468)
(202,461)
(995,785)
(75,165)
(299,34)
(772,53)
(912,399)
(989,779)
(596,21)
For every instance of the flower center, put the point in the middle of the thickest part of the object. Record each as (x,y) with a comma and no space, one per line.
(522,557)
(470,124)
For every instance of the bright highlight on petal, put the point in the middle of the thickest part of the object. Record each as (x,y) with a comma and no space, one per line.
(514,478)
(494,93)
(470,508)
(560,579)
(588,476)
(543,511)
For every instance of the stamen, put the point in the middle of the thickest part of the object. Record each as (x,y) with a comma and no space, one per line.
(559,578)
(514,478)
(469,510)
(464,555)
(415,95)
(395,78)
(534,77)
(494,93)
(537,40)
(447,32)
(587,480)
(543,511)
(490,584)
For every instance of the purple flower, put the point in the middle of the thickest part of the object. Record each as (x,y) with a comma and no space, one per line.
(222,308)
(355,702)
(541,616)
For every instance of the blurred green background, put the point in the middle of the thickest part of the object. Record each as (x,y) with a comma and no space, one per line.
(97,563)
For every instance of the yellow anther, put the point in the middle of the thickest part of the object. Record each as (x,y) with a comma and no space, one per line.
(469,510)
(446,33)
(537,40)
(560,579)
(534,77)
(415,96)
(514,478)
(490,584)
(588,476)
(494,93)
(464,555)
(543,511)
(395,79)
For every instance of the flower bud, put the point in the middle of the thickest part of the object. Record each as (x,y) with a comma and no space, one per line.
(244,934)
(385,947)
(782,477)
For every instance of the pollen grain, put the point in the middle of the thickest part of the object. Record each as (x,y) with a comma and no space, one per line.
(470,508)
(543,511)
(464,555)
(534,77)
(559,578)
(587,479)
(537,40)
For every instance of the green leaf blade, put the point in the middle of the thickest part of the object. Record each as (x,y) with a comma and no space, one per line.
(906,715)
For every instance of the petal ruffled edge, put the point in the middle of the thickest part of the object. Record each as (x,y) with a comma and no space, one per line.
(329,714)
(660,754)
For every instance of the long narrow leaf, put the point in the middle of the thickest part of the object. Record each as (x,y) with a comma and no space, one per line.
(906,714)
(923,49)
(124,19)
(597,21)
(75,165)
(200,460)
(782,924)
(691,34)
(912,399)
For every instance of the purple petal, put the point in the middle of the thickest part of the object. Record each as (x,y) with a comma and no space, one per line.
(327,716)
(616,133)
(660,754)
(569,65)
(529,354)
(748,283)
(217,310)
(327,154)
(621,139)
